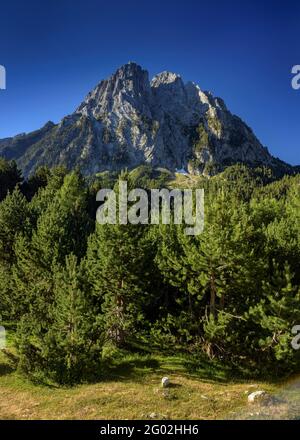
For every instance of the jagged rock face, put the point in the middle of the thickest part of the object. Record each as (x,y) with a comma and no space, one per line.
(128,120)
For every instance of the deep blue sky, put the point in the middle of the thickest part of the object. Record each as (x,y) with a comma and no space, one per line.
(56,51)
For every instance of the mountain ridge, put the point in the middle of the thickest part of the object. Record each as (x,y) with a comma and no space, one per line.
(128,120)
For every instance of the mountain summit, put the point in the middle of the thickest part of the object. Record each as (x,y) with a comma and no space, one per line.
(128,120)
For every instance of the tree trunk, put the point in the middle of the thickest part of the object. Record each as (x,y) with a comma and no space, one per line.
(212,307)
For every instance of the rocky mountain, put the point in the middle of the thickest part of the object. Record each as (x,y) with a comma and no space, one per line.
(128,120)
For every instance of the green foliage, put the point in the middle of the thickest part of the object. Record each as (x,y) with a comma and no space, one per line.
(146,177)
(38,180)
(62,228)
(14,219)
(116,266)
(10,176)
(214,124)
(72,285)
(276,313)
(69,348)
(202,138)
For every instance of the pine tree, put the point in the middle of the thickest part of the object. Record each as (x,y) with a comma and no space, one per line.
(274,317)
(10,176)
(72,346)
(214,271)
(15,218)
(69,349)
(45,195)
(117,269)
(62,228)
(38,180)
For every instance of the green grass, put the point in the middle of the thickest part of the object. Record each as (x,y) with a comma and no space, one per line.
(130,389)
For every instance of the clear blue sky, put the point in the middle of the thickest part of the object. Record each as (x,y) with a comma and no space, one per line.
(56,51)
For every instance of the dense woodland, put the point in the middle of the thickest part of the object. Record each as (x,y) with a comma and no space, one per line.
(74,289)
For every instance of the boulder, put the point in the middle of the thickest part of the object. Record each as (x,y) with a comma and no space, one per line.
(259,397)
(165,382)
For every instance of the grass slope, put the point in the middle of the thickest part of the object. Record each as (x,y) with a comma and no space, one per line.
(129,389)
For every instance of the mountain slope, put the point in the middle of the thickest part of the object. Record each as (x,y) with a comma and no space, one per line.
(128,120)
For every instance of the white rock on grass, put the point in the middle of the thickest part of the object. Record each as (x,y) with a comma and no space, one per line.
(259,397)
(165,382)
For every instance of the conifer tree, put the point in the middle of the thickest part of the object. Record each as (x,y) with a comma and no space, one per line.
(119,278)
(15,218)
(38,180)
(274,318)
(62,228)
(69,350)
(116,265)
(10,176)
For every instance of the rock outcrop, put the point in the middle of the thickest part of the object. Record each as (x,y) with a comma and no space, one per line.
(128,120)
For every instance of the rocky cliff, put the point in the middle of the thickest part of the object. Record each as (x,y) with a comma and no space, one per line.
(128,120)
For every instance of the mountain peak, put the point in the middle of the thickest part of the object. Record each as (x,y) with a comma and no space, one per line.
(126,121)
(165,77)
(131,78)
(129,69)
